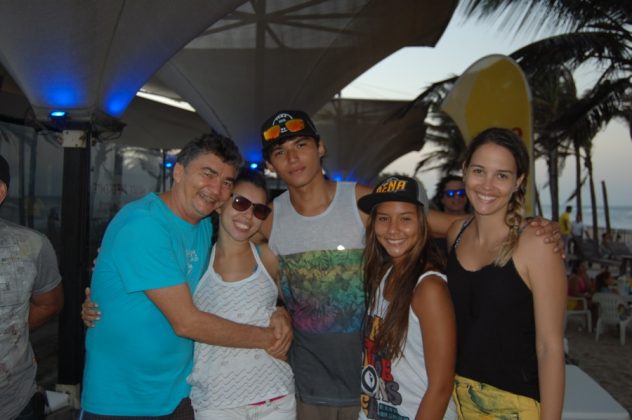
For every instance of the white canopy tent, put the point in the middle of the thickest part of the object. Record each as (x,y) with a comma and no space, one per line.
(286,54)
(241,61)
(84,56)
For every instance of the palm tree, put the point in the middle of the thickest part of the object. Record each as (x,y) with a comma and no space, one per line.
(441,132)
(553,92)
(607,101)
(450,146)
(596,32)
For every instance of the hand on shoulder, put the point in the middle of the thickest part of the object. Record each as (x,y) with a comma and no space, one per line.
(535,258)
(361,191)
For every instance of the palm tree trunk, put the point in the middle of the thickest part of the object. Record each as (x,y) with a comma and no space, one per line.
(593,197)
(578,181)
(606,209)
(553,185)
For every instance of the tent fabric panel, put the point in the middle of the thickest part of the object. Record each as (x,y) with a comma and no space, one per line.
(84,55)
(256,61)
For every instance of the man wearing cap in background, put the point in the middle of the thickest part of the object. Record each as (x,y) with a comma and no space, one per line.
(318,235)
(30,295)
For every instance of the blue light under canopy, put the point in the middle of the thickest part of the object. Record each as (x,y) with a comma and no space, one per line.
(58,114)
(92,56)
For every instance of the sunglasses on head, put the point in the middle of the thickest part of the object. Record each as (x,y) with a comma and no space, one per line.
(453,193)
(260,211)
(293,126)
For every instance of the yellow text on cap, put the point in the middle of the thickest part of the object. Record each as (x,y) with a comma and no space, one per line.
(392,186)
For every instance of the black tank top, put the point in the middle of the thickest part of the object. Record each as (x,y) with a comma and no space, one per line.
(495,326)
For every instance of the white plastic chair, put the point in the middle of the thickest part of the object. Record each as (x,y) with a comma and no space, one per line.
(582,310)
(609,304)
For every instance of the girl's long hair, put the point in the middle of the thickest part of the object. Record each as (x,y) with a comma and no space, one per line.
(515,208)
(424,256)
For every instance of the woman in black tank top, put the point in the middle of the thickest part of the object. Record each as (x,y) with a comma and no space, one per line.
(508,289)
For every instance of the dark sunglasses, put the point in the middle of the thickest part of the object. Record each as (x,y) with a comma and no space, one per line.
(452,193)
(260,211)
(293,126)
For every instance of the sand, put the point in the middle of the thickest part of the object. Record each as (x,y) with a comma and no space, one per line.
(606,361)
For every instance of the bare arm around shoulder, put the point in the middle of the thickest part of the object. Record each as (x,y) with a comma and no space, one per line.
(44,306)
(433,306)
(544,272)
(361,191)
(440,222)
(176,304)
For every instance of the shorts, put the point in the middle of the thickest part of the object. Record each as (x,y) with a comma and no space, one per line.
(476,400)
(278,409)
(183,411)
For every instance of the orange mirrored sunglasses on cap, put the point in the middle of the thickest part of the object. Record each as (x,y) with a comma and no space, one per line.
(293,126)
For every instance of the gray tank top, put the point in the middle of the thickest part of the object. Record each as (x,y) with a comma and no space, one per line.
(320,265)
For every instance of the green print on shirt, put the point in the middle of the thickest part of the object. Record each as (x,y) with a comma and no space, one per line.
(323,290)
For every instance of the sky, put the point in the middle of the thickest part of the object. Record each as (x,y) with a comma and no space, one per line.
(406,73)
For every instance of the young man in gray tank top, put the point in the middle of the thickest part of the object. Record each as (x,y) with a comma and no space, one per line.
(318,235)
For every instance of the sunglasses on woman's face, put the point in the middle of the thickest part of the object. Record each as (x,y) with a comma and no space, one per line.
(260,211)
(454,193)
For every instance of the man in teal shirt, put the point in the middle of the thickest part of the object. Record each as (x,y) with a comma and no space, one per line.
(153,254)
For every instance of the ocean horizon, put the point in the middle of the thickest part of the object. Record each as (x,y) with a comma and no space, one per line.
(620,216)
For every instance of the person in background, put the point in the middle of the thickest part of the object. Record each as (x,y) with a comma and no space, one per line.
(509,292)
(565,227)
(409,331)
(605,247)
(450,195)
(30,295)
(577,233)
(604,283)
(239,285)
(579,282)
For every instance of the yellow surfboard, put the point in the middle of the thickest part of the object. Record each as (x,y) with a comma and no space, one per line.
(493,92)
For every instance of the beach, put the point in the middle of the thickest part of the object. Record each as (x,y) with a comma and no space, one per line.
(606,361)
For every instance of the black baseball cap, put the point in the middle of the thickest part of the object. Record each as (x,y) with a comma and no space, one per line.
(5,175)
(286,124)
(395,188)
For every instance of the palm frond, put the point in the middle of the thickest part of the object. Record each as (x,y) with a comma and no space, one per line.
(577,189)
(588,115)
(574,49)
(538,15)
